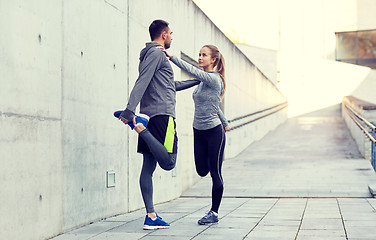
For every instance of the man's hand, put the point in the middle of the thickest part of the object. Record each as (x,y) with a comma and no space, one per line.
(123,120)
(227,128)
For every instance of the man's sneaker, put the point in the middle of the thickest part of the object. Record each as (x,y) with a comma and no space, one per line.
(157,223)
(210,218)
(140,119)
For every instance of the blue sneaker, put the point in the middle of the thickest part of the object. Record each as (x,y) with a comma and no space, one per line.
(158,223)
(140,118)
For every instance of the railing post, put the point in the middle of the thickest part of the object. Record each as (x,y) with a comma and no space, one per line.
(373,152)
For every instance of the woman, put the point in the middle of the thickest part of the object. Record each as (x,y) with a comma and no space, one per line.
(209,124)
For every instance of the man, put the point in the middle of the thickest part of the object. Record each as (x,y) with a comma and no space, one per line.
(155,90)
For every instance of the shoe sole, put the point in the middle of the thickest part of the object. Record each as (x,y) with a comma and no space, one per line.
(207,223)
(117,114)
(147,227)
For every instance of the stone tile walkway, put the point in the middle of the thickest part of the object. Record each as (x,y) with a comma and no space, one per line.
(305,180)
(246,218)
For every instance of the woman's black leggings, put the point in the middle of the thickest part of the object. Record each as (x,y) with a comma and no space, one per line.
(208,150)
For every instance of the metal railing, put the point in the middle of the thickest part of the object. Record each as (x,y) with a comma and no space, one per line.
(277,108)
(368,129)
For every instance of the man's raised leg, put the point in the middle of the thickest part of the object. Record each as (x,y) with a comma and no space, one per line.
(166,161)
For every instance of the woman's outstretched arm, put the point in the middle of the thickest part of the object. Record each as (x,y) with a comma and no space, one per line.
(182,85)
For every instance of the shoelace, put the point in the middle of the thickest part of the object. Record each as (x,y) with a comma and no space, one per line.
(208,215)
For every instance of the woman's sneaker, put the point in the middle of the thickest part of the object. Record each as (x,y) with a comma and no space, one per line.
(210,218)
(157,223)
(140,119)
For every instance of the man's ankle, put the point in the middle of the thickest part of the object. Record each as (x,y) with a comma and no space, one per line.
(152,215)
(139,128)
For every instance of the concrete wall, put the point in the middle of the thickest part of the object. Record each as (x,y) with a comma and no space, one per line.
(364,91)
(363,142)
(264,59)
(65,66)
(94,67)
(366,88)
(30,119)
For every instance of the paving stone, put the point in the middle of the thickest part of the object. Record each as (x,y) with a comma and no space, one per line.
(327,234)
(273,222)
(183,232)
(164,238)
(322,224)
(231,233)
(69,236)
(130,227)
(323,237)
(361,232)
(301,180)
(360,223)
(238,223)
(217,237)
(272,233)
(118,236)
(96,228)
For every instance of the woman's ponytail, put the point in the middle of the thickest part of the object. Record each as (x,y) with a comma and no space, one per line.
(219,65)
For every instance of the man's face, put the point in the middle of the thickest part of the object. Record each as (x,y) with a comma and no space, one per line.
(167,38)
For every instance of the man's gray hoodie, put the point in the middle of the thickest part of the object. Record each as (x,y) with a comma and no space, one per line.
(155,88)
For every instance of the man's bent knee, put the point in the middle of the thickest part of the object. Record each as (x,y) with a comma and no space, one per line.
(168,164)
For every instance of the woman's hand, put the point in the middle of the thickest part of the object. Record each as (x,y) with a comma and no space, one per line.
(164,50)
(227,128)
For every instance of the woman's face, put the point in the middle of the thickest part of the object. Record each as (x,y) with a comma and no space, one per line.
(204,58)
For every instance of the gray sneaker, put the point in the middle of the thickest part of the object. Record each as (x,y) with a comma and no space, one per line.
(209,218)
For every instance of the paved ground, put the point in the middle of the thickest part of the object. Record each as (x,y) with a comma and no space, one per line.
(306,180)
(309,156)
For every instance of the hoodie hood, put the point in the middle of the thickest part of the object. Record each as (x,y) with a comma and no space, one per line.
(147,48)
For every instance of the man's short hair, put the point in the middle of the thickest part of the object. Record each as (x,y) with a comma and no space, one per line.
(156,28)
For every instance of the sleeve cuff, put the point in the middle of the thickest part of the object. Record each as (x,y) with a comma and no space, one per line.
(127,115)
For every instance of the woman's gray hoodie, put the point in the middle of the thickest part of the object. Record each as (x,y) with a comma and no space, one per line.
(206,96)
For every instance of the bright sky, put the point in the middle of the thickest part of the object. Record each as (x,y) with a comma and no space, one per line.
(241,21)
(303,33)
